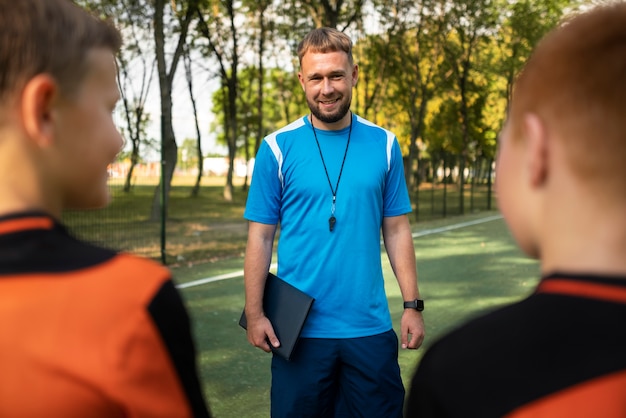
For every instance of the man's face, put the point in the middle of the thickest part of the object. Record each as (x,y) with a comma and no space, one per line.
(86,139)
(327,80)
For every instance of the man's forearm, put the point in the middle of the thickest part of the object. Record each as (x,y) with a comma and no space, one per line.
(256,265)
(401,252)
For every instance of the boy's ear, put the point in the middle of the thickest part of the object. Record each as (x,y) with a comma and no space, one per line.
(36,106)
(537,140)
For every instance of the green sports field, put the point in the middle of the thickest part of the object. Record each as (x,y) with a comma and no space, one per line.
(466,265)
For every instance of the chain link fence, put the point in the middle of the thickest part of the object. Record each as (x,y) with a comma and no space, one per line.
(207,228)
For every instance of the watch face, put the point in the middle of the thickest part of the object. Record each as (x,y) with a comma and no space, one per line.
(417,304)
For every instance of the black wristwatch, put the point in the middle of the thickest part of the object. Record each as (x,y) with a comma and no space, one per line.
(416,304)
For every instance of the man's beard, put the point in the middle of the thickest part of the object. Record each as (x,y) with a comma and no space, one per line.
(330,117)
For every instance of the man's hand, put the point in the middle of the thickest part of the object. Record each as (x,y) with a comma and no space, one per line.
(412,324)
(261,333)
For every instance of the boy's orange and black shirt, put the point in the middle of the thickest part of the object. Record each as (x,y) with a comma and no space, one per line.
(560,352)
(86,331)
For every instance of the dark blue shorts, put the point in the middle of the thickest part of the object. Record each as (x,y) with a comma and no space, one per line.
(354,377)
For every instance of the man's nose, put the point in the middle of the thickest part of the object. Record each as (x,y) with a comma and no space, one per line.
(327,86)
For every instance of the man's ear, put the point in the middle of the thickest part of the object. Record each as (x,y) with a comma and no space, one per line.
(537,141)
(301,79)
(36,106)
(355,75)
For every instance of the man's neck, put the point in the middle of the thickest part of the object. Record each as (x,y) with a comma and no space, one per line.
(334,126)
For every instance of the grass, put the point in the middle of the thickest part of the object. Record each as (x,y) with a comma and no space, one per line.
(463,273)
(203,228)
(206,228)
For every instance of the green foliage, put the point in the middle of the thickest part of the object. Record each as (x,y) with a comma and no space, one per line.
(457,58)
(188,154)
(283,102)
(438,74)
(520,30)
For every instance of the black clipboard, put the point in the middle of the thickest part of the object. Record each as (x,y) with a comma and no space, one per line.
(287,308)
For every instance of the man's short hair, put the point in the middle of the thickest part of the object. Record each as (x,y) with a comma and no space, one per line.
(575,82)
(48,36)
(323,40)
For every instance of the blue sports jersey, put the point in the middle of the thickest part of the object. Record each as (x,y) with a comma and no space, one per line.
(341,269)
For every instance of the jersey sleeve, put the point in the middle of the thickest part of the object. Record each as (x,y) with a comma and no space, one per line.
(171,319)
(396,197)
(156,368)
(265,193)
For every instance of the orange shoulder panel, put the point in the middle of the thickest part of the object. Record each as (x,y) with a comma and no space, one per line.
(601,397)
(83,344)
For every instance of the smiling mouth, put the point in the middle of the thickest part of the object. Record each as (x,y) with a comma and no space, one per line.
(328,102)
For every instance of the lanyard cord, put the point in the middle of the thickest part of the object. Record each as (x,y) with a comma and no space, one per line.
(333,191)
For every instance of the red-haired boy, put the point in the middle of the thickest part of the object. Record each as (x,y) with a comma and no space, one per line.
(561,183)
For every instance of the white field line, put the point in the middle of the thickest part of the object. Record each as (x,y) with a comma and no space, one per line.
(239,273)
(456,226)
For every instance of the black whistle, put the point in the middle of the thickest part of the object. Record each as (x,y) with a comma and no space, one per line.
(331,223)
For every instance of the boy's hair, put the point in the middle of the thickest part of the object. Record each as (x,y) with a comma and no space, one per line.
(48,36)
(325,40)
(575,82)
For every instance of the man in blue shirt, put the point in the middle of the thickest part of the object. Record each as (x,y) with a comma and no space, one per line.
(333,181)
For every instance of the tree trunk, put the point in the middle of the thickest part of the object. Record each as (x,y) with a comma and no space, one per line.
(233,87)
(167,131)
(261,79)
(187,61)
(489,171)
(232,138)
(134,158)
(169,149)
(445,186)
